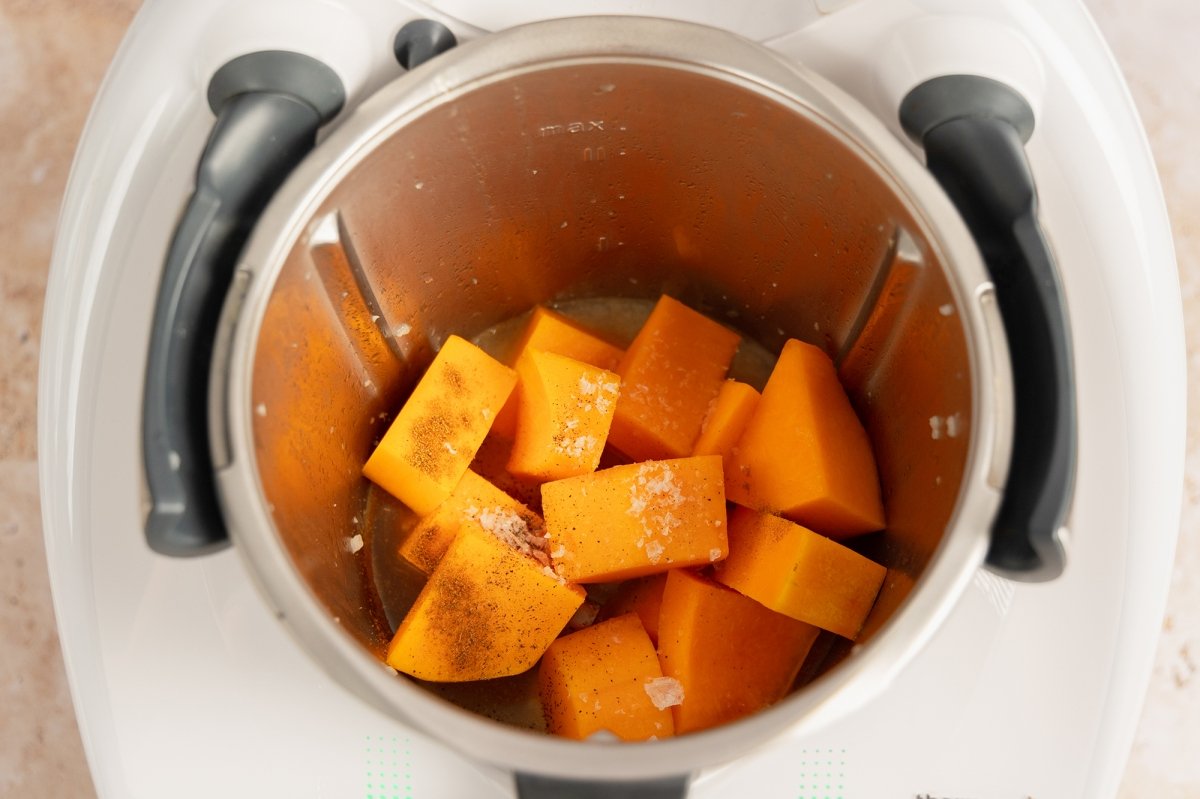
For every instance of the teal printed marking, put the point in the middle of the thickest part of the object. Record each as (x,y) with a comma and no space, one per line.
(823,773)
(384,777)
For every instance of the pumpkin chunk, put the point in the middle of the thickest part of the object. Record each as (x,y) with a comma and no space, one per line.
(670,374)
(487,611)
(794,571)
(630,521)
(549,331)
(804,454)
(606,677)
(474,501)
(732,656)
(727,418)
(563,419)
(431,442)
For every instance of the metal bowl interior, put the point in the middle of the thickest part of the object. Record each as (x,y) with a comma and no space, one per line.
(587,159)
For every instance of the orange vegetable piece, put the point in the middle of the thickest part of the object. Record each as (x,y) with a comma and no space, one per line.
(732,656)
(432,440)
(796,572)
(630,521)
(643,597)
(487,611)
(804,454)
(605,677)
(474,501)
(727,418)
(552,332)
(563,419)
(670,374)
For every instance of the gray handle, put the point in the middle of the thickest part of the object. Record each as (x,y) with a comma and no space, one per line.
(973,130)
(269,106)
(530,786)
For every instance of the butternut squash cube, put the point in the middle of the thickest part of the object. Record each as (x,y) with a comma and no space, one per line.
(804,454)
(642,596)
(794,571)
(606,677)
(732,656)
(726,419)
(549,331)
(630,521)
(563,419)
(474,501)
(431,442)
(487,611)
(670,375)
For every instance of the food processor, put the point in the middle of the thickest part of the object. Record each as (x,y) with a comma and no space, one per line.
(174,660)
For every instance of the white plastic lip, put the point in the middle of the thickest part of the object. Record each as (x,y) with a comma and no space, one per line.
(935,45)
(674,45)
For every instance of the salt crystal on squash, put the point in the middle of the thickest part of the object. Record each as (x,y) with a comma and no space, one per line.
(664,692)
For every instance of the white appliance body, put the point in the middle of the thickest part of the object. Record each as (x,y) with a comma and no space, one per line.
(185,685)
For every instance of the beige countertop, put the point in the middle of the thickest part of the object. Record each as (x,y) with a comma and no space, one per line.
(53,54)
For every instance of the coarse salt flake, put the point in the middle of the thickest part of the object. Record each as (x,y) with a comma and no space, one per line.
(664,692)
(354,544)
